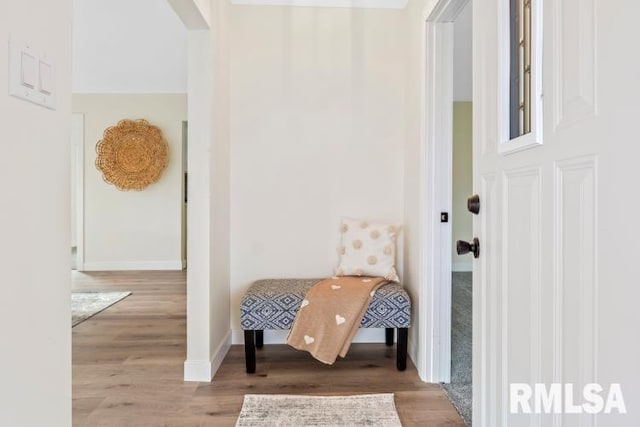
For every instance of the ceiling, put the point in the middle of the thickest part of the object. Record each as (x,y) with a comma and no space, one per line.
(125,46)
(370,4)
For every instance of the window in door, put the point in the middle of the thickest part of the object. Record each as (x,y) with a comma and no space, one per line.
(520,68)
(521,65)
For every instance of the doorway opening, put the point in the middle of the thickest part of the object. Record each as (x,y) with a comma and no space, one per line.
(445,298)
(77,191)
(143,79)
(459,387)
(185,190)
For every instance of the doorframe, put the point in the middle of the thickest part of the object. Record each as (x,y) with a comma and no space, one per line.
(436,170)
(184,175)
(77,126)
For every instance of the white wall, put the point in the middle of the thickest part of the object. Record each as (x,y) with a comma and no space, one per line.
(317,131)
(124,46)
(220,185)
(208,310)
(204,9)
(35,374)
(413,160)
(132,230)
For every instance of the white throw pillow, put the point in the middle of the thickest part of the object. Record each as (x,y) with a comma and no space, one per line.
(368,249)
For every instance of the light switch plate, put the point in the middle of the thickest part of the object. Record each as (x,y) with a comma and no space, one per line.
(31,74)
(28,70)
(46,78)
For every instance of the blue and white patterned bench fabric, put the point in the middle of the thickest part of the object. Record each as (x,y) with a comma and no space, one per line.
(273,304)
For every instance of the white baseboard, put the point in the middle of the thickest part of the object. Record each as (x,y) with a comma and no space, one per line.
(220,353)
(460,267)
(131,265)
(368,335)
(204,370)
(412,352)
(197,370)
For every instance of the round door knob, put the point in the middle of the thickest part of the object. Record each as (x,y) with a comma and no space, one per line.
(463,247)
(473,204)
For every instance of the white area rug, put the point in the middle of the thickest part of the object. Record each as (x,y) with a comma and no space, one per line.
(301,411)
(87,304)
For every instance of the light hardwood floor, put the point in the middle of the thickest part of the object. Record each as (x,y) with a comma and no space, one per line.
(128,362)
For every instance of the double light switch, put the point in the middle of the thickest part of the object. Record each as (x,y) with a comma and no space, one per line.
(31,74)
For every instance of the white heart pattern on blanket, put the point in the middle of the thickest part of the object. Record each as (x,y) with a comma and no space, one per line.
(366,280)
(335,287)
(305,303)
(335,278)
(308,339)
(372,293)
(340,320)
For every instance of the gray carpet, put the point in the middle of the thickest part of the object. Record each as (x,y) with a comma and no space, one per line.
(459,390)
(87,304)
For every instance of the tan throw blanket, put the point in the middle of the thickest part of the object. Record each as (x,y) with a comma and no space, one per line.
(330,316)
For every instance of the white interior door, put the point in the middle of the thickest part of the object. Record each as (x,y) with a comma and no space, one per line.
(555,287)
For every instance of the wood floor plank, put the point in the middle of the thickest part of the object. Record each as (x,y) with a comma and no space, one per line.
(128,366)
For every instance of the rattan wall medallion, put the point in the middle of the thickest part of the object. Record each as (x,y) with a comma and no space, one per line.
(132,154)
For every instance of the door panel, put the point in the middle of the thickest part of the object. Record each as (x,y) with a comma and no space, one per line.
(555,289)
(574,49)
(574,281)
(521,274)
(521,279)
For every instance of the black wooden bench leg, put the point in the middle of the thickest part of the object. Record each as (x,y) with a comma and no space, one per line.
(388,335)
(259,338)
(401,357)
(250,350)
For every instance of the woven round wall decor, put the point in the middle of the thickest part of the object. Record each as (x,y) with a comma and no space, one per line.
(132,154)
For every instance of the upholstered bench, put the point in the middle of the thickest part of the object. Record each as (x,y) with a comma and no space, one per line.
(273,304)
